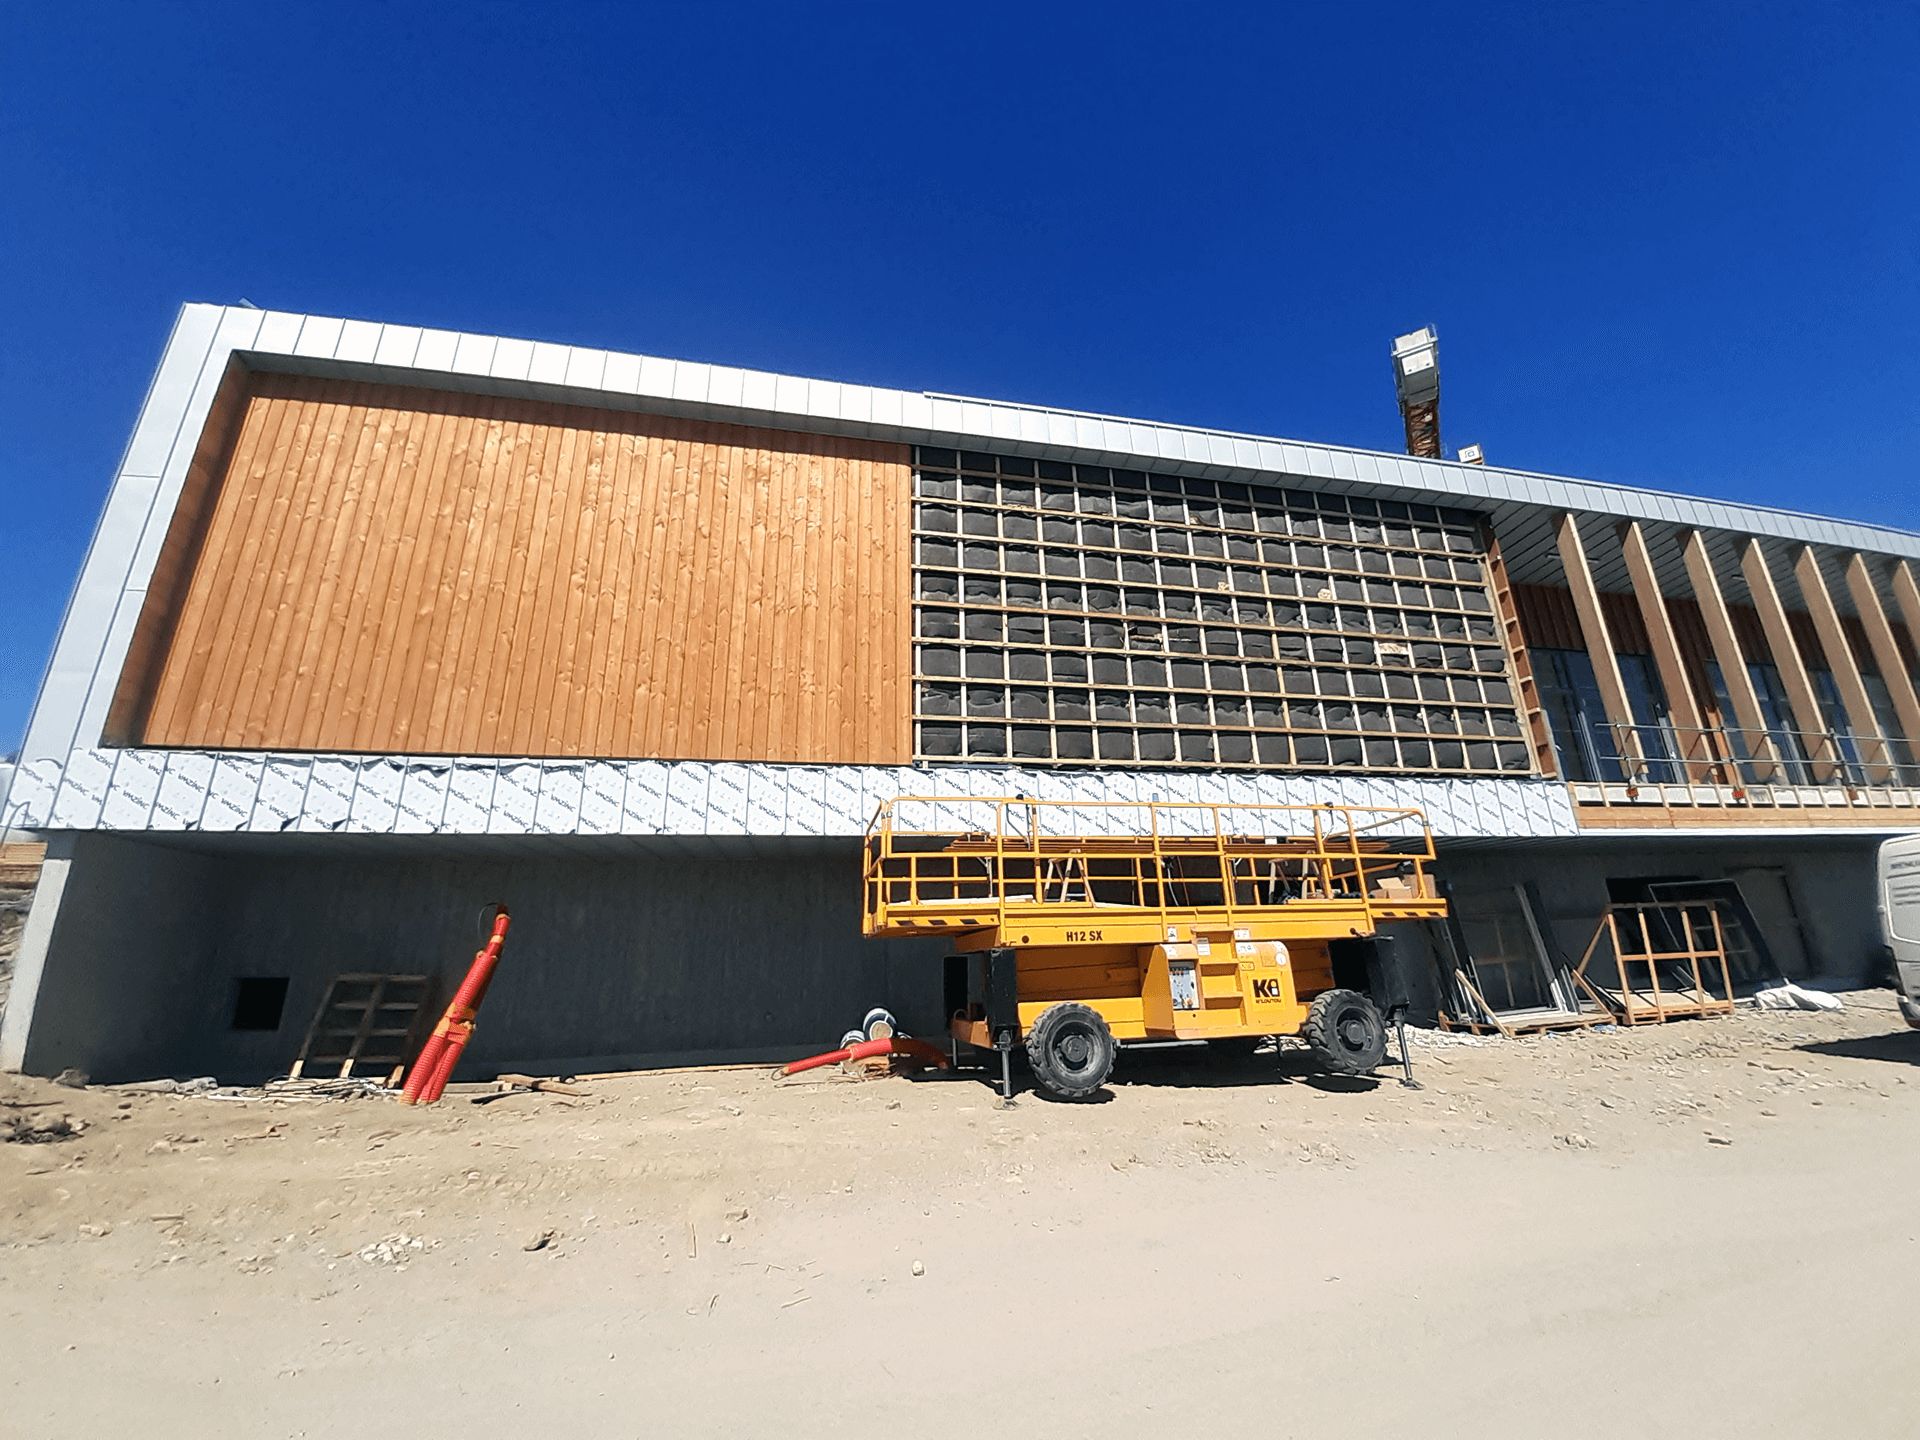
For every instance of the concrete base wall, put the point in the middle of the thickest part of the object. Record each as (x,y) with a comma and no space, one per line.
(112,965)
(1822,888)
(732,951)
(610,960)
(1814,897)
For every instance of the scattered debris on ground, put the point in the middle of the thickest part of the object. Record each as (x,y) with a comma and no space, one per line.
(710,1197)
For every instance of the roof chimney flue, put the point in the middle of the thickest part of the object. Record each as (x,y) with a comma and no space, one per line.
(1416,380)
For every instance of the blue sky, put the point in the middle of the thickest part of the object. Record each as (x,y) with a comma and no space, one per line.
(1668,245)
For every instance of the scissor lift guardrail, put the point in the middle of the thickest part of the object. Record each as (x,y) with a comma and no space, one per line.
(1015,871)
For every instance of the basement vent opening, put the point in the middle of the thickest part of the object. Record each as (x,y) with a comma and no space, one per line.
(258,1002)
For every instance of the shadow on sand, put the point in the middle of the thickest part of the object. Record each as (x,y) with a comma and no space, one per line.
(1178,1066)
(1900,1047)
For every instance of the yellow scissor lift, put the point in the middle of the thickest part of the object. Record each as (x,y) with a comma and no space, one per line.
(1093,923)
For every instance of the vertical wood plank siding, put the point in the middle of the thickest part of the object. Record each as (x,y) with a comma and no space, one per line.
(391,570)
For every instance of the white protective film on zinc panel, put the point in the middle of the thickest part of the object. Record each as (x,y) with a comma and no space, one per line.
(602,789)
(470,789)
(283,793)
(183,791)
(516,797)
(376,799)
(423,797)
(231,791)
(643,809)
(330,788)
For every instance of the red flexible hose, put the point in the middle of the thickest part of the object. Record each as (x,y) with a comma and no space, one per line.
(866,1049)
(832,1057)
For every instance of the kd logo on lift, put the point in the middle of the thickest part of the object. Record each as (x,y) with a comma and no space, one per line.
(1267,990)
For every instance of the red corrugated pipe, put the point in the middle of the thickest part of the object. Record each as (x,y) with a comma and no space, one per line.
(442,1051)
(866,1049)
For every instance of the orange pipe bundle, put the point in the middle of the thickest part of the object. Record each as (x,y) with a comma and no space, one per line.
(443,1048)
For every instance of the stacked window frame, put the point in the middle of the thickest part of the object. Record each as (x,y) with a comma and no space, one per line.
(1078,615)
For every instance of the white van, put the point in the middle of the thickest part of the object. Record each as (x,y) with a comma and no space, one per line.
(1900,917)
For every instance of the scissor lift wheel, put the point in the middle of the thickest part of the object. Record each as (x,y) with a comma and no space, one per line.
(1345,1032)
(1070,1050)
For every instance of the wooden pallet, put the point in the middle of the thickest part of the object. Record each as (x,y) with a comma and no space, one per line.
(1532,1020)
(367,1020)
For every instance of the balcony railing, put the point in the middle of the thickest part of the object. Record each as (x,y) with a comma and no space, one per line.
(1730,765)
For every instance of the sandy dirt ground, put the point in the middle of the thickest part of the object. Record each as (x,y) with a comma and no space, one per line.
(1709,1228)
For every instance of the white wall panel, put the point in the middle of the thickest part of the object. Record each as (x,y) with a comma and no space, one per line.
(470,788)
(423,798)
(231,791)
(603,787)
(516,798)
(376,798)
(372,795)
(283,794)
(562,784)
(136,784)
(643,808)
(183,791)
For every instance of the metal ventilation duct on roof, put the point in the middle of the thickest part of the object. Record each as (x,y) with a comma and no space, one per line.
(1416,381)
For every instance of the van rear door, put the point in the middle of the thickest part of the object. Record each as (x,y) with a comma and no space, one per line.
(1900,916)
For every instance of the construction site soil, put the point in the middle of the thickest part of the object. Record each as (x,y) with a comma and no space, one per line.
(1704,1228)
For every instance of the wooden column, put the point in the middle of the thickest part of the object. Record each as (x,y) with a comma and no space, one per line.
(1840,662)
(1666,651)
(1906,594)
(1807,716)
(1726,649)
(1522,663)
(1886,651)
(1593,629)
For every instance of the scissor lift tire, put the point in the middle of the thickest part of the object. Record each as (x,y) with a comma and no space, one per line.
(1070,1050)
(1345,1032)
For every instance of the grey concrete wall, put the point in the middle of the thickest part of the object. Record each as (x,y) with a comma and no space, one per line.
(739,952)
(1829,881)
(125,971)
(610,960)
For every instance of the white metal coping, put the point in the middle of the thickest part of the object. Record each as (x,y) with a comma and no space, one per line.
(70,709)
(228,792)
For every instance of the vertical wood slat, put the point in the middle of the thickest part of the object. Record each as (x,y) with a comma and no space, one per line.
(1726,648)
(1666,649)
(1886,650)
(446,600)
(254,520)
(1593,627)
(1840,662)
(280,565)
(1547,617)
(1696,650)
(392,570)
(1805,705)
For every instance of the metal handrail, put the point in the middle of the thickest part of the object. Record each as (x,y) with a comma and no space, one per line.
(1830,757)
(1163,835)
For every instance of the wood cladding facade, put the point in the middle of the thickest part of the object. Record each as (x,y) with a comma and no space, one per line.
(380,569)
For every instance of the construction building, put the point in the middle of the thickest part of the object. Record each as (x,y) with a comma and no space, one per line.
(382,625)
